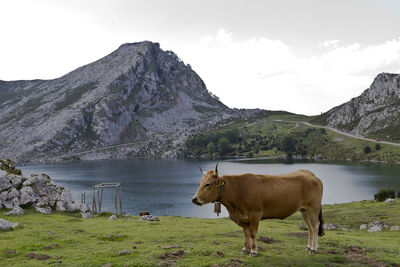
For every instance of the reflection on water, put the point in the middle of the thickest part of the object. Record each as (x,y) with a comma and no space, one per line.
(166,187)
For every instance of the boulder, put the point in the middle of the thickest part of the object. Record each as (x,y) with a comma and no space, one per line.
(376,227)
(363,226)
(12,193)
(149,218)
(27,195)
(6,225)
(87,215)
(9,204)
(17,182)
(83,207)
(61,206)
(16,211)
(65,196)
(113,217)
(43,210)
(5,182)
(3,196)
(73,206)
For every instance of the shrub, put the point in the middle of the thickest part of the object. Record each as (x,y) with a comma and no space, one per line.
(378,147)
(384,194)
(367,150)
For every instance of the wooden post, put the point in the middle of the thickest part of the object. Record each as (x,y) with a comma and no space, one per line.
(98,200)
(101,198)
(120,199)
(94,208)
(115,200)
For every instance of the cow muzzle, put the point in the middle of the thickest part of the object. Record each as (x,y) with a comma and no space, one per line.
(196,201)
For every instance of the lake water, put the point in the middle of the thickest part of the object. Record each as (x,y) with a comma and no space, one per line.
(166,187)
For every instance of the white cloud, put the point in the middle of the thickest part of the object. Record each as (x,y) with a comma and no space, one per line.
(269,74)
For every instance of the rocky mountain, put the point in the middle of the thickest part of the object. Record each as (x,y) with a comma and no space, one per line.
(375,113)
(138,101)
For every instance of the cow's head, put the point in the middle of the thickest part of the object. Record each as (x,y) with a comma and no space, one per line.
(210,188)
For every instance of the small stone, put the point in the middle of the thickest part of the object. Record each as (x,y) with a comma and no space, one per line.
(363,226)
(113,217)
(149,218)
(125,252)
(394,228)
(331,226)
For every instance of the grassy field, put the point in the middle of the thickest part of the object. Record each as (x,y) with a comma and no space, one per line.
(67,240)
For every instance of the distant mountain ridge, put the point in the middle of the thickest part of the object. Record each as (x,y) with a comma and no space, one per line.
(374,114)
(138,94)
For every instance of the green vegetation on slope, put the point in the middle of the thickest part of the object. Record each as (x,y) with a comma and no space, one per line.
(72,241)
(271,138)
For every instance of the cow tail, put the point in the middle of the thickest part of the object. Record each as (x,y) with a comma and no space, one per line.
(321,224)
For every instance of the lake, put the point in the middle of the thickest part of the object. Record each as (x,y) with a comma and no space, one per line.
(166,187)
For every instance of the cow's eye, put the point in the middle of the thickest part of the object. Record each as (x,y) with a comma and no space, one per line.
(207,184)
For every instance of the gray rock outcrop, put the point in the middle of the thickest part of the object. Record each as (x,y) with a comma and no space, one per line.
(374,114)
(37,191)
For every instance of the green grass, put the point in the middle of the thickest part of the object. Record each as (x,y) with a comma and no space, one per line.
(199,242)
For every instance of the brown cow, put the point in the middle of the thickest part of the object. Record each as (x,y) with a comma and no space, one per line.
(250,198)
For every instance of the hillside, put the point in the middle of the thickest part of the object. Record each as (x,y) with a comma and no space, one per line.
(374,114)
(138,101)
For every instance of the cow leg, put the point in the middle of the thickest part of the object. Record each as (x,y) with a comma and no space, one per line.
(254,221)
(246,231)
(314,224)
(306,219)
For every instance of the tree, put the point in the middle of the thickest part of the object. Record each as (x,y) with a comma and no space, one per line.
(288,145)
(224,145)
(211,147)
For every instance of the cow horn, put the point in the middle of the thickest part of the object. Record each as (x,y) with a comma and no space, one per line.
(201,170)
(216,169)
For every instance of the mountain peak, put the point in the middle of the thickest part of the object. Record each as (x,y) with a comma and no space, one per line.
(137,94)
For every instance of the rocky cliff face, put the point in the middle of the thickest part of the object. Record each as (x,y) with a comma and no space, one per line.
(139,101)
(375,113)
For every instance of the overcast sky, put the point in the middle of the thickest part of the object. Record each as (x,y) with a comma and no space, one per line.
(301,56)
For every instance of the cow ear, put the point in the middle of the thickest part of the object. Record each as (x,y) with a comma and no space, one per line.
(220,182)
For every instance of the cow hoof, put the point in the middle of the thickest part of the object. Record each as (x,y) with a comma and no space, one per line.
(313,252)
(307,249)
(253,254)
